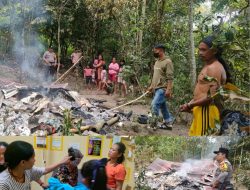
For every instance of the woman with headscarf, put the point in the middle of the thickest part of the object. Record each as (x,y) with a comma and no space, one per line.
(94,175)
(205,111)
(115,169)
(66,176)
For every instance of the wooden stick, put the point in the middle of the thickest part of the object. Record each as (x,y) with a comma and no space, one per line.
(130,101)
(67,72)
(177,115)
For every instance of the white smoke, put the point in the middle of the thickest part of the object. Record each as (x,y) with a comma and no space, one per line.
(22,18)
(214,143)
(210,145)
(190,166)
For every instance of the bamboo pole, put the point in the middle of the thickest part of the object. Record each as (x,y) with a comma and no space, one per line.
(98,126)
(113,120)
(82,128)
(130,101)
(68,71)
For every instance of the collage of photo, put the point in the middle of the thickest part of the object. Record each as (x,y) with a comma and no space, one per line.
(124,95)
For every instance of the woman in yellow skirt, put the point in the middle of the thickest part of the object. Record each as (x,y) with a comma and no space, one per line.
(205,113)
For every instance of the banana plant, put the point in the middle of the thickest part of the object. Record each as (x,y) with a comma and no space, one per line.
(67,123)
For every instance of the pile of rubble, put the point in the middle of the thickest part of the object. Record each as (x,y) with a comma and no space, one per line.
(45,110)
(165,175)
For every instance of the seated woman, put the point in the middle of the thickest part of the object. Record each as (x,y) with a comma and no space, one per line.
(115,170)
(20,158)
(94,175)
(65,177)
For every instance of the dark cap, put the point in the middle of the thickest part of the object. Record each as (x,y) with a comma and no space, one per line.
(160,46)
(208,40)
(222,150)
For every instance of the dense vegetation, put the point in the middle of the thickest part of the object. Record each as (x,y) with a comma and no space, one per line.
(129,30)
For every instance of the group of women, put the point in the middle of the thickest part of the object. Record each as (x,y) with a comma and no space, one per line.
(17,169)
(114,73)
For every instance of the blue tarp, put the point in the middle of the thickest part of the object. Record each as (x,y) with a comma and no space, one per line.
(55,184)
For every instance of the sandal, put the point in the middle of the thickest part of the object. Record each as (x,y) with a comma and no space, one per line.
(166,126)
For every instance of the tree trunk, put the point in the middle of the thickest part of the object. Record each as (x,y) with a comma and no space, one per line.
(59,44)
(140,35)
(60,11)
(136,25)
(161,19)
(191,44)
(51,38)
(21,54)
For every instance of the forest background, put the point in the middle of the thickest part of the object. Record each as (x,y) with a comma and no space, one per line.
(128,30)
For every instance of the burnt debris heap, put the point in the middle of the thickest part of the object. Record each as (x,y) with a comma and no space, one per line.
(43,111)
(191,175)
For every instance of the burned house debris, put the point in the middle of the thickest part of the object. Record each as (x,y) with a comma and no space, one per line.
(42,111)
(190,175)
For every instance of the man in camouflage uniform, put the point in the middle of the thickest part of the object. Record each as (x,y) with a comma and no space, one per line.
(223,173)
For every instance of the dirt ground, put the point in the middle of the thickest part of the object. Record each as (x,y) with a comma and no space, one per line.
(133,127)
(180,128)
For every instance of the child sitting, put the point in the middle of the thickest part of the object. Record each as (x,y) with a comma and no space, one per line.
(109,86)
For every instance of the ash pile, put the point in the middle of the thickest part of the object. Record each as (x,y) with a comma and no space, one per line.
(190,175)
(56,110)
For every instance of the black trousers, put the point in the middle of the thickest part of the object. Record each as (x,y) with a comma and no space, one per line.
(50,72)
(226,186)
